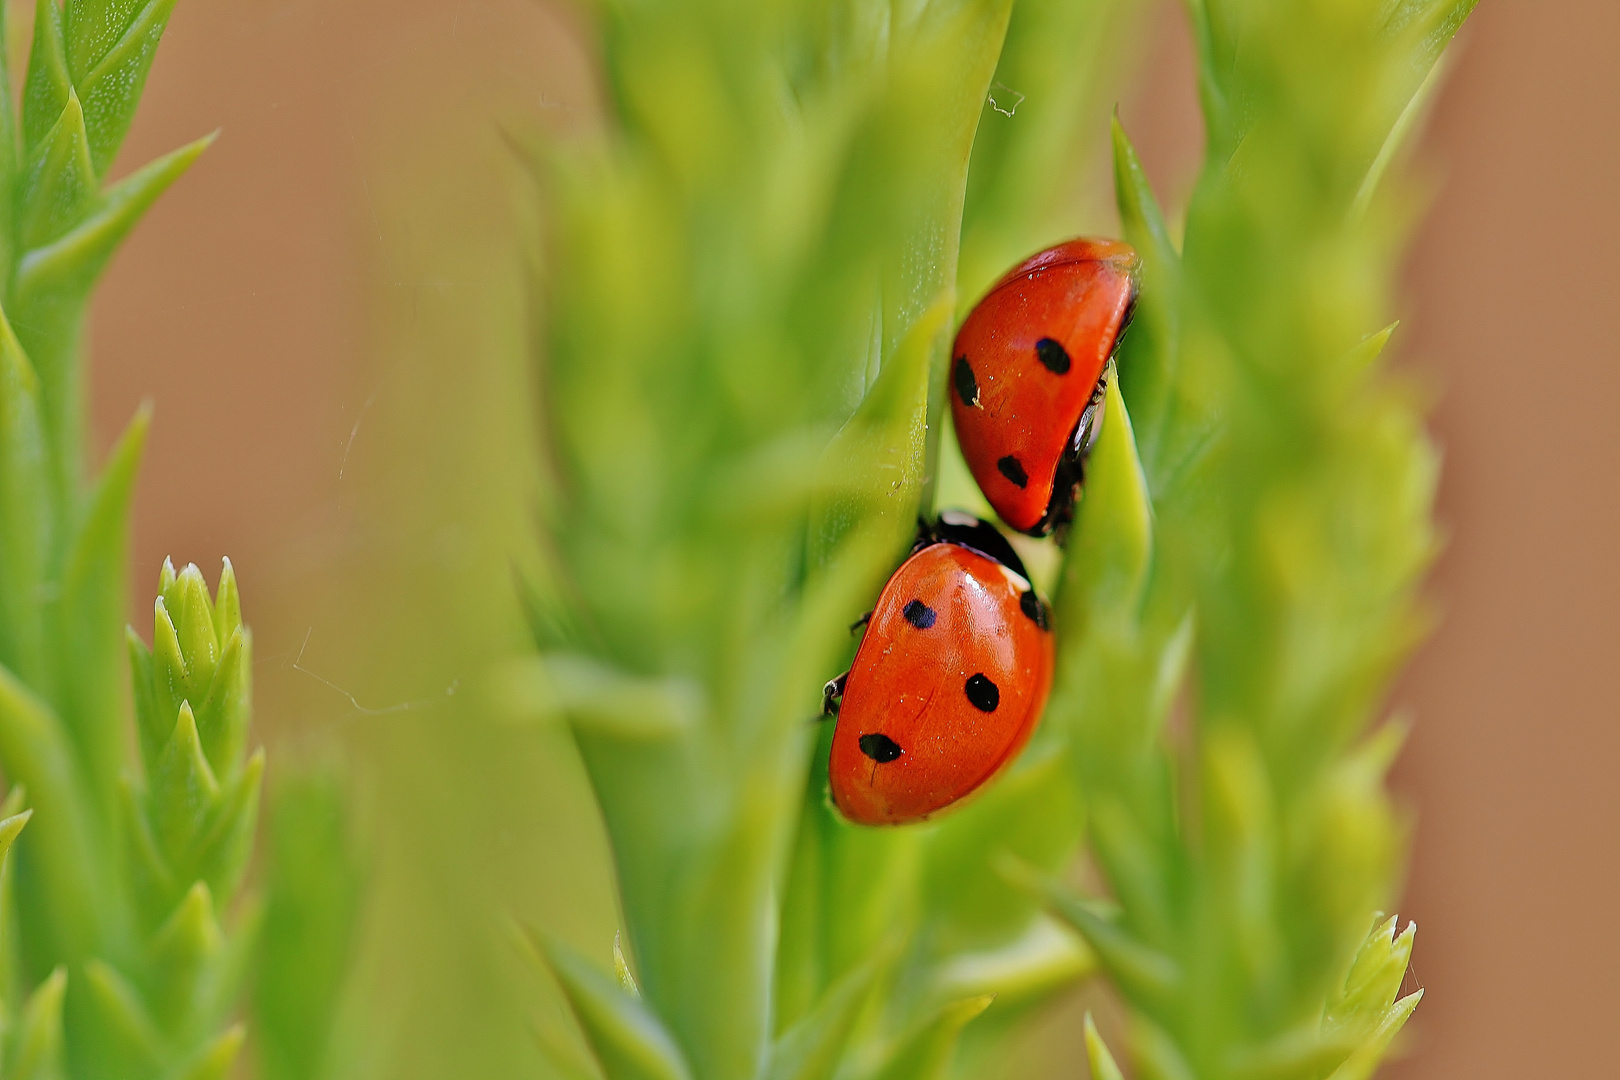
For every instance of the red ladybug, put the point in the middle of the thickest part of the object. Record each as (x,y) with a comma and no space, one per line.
(949,681)
(1026,376)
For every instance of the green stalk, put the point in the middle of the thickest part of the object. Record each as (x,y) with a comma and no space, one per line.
(1249,560)
(127,962)
(756,268)
(757,273)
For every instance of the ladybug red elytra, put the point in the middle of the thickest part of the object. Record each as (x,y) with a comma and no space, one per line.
(949,681)
(1026,376)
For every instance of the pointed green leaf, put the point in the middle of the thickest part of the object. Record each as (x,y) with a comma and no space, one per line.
(313,879)
(926,1053)
(222,986)
(1102,1062)
(1429,26)
(168,666)
(111,74)
(621,968)
(15,802)
(558,1046)
(193,614)
(14,818)
(1112,545)
(228,603)
(1142,971)
(152,731)
(132,1038)
(13,805)
(1156,1054)
(90,612)
(92,27)
(222,853)
(59,184)
(183,789)
(191,934)
(1394,141)
(597,697)
(949,66)
(1307,1050)
(1043,960)
(151,875)
(812,1048)
(47,86)
(627,1038)
(61,273)
(25,510)
(717,924)
(1150,352)
(222,715)
(1370,349)
(64,842)
(1365,1060)
(215,1059)
(1375,974)
(1139,212)
(1033,812)
(881,449)
(183,952)
(855,892)
(801,967)
(10,826)
(36,1043)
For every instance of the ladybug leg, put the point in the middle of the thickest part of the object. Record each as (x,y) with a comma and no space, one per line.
(1071,470)
(860,622)
(832,694)
(1087,431)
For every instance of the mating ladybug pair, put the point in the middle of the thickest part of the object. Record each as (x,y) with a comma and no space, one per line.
(951,677)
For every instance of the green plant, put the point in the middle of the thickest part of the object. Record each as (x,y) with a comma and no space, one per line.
(1252,556)
(121,960)
(756,268)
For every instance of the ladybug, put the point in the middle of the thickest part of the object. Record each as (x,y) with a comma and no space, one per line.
(1027,376)
(948,682)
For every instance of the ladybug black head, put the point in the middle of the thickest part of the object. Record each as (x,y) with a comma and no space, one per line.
(965,530)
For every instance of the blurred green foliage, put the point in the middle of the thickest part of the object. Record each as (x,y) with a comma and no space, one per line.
(754,267)
(313,883)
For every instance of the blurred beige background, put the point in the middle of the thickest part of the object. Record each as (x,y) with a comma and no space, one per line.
(250,307)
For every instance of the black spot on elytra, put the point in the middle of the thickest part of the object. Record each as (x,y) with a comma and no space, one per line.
(1035,608)
(879,747)
(982,693)
(1013,470)
(1053,356)
(919,614)
(967,387)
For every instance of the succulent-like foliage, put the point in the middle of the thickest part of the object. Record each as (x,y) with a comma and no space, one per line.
(189,827)
(151,992)
(192,692)
(313,883)
(757,274)
(756,270)
(121,884)
(1241,589)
